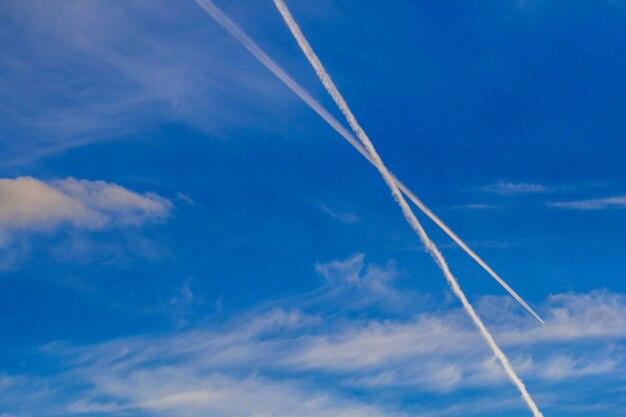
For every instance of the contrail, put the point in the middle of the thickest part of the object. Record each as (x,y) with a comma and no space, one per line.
(258,53)
(406,209)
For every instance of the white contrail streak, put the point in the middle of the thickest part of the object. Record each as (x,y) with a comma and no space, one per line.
(258,53)
(406,209)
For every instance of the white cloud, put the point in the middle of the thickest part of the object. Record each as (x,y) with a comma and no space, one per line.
(566,366)
(201,372)
(342,217)
(30,204)
(280,362)
(376,344)
(443,351)
(512,188)
(284,363)
(618,202)
(170,392)
(572,317)
(358,284)
(118,72)
(476,206)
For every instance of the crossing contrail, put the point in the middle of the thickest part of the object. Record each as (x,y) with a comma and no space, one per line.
(404,206)
(258,53)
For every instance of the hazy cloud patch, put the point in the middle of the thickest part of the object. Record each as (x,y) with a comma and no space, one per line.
(618,202)
(514,188)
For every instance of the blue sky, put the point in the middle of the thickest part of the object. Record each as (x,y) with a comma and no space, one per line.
(181,236)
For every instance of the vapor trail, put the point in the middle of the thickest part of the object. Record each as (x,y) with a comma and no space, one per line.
(463,246)
(258,53)
(406,210)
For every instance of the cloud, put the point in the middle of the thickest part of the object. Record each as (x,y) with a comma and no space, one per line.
(618,202)
(283,362)
(351,282)
(476,206)
(512,188)
(201,372)
(346,218)
(180,306)
(566,366)
(491,244)
(350,272)
(29,204)
(583,336)
(186,394)
(185,198)
(114,72)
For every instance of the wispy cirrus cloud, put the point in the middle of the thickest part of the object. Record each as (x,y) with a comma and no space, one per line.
(407,347)
(285,361)
(355,284)
(115,73)
(514,188)
(476,206)
(342,217)
(617,202)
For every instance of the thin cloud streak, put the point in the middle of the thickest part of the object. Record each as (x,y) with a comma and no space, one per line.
(258,53)
(342,217)
(512,188)
(406,209)
(618,202)
(476,206)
